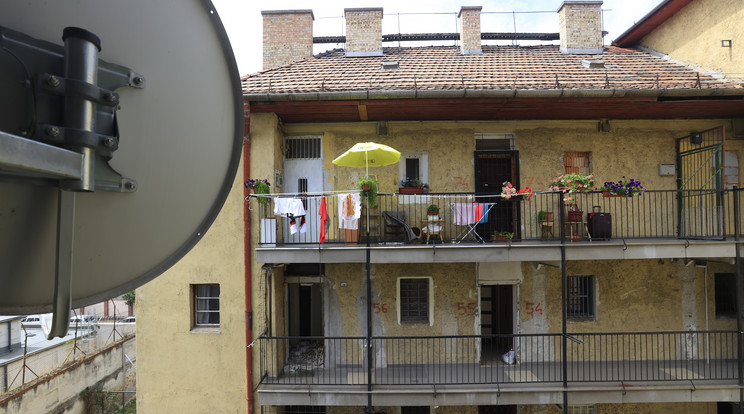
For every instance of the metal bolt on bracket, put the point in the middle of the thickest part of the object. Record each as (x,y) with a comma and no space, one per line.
(109,142)
(52,131)
(53,81)
(138,80)
(111,97)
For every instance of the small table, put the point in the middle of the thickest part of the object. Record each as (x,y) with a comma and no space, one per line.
(433,228)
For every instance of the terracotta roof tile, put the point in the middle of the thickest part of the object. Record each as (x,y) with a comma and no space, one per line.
(499,67)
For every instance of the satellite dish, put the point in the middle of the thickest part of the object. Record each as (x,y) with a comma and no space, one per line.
(46,323)
(121,127)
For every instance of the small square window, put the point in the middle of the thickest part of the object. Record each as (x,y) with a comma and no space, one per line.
(577,163)
(580,297)
(725,286)
(414,300)
(206,304)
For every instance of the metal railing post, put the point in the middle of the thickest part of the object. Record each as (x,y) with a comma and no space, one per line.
(564,344)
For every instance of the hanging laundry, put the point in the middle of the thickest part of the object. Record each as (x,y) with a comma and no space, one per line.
(349,211)
(293,209)
(323,213)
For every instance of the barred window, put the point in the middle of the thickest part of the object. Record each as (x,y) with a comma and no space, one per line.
(414,300)
(577,162)
(206,304)
(580,297)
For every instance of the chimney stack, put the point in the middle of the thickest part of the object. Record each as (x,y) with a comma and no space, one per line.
(581,26)
(470,30)
(363,32)
(287,36)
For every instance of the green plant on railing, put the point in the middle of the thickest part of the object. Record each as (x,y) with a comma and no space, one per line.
(433,210)
(368,185)
(259,187)
(627,187)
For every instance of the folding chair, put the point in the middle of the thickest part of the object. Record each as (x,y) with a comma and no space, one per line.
(396,223)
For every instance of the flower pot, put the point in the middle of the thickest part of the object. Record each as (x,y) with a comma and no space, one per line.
(574,216)
(351,236)
(365,187)
(606,193)
(411,190)
(548,216)
(433,216)
(500,239)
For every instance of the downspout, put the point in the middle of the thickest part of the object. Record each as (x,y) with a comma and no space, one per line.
(247,259)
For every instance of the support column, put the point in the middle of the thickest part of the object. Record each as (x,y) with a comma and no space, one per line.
(739,344)
(564,337)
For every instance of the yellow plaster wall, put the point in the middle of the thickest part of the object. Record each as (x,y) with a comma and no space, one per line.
(694,35)
(541,145)
(655,408)
(175,362)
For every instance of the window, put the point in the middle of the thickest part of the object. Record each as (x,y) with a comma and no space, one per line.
(582,409)
(494,142)
(577,162)
(206,305)
(580,297)
(413,300)
(305,147)
(414,165)
(415,410)
(725,286)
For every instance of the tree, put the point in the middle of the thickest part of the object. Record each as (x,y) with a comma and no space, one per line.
(128,298)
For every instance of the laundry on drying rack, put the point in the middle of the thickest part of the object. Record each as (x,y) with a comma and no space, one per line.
(293,209)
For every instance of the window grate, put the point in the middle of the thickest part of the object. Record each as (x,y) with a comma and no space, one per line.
(580,297)
(307,148)
(577,163)
(206,305)
(582,409)
(414,300)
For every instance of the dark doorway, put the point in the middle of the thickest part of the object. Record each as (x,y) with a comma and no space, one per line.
(492,169)
(497,321)
(305,309)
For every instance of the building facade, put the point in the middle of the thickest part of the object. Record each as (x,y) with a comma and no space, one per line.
(607,304)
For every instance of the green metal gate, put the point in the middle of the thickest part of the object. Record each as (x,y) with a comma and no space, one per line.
(700,165)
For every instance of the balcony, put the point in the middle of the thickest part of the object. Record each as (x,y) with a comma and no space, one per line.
(658,224)
(455,368)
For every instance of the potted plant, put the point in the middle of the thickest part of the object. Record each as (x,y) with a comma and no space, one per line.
(412,186)
(368,185)
(623,188)
(570,185)
(433,212)
(543,215)
(503,236)
(259,187)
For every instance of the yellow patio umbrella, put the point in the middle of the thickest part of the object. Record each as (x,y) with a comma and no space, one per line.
(366,154)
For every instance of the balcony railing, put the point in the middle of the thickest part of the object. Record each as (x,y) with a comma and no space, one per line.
(448,360)
(467,218)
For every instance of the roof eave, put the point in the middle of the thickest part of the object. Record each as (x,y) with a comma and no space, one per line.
(649,22)
(490,93)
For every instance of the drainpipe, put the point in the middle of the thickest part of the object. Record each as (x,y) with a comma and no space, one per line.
(247,260)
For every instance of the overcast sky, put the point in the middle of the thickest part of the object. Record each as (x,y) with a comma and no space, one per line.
(242,19)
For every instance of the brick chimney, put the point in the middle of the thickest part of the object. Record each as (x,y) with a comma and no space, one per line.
(581,26)
(287,36)
(470,30)
(363,32)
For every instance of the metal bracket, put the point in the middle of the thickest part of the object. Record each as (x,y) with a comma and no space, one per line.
(622,384)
